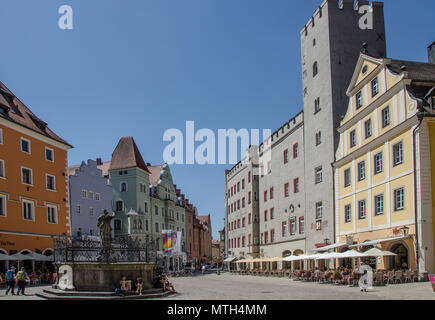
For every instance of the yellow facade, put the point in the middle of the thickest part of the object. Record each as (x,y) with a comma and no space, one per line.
(374,168)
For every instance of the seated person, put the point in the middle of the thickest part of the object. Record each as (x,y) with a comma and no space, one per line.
(166,284)
(125,286)
(139,286)
(156,281)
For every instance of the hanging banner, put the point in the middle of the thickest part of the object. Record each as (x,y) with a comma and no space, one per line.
(171,242)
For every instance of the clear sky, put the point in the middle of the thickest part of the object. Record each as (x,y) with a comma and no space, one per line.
(139,67)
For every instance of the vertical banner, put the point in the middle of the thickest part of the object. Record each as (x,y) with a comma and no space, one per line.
(178,242)
(171,242)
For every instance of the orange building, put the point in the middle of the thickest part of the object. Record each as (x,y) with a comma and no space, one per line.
(33,181)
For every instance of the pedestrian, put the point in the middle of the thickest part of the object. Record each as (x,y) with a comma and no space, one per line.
(203,269)
(22,278)
(10,278)
(366,277)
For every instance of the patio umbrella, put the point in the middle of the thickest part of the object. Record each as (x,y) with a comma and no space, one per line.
(4,257)
(21,257)
(352,254)
(41,257)
(376,252)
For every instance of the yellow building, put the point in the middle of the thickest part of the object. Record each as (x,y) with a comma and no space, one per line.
(384,170)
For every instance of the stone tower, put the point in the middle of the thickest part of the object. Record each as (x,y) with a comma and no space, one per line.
(331,42)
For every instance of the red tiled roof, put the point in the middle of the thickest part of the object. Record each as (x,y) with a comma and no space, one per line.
(19,113)
(155,174)
(127,155)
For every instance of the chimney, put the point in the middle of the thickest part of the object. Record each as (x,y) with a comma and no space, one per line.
(99,162)
(431,52)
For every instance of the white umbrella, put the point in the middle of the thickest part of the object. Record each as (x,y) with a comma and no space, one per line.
(331,255)
(376,252)
(352,254)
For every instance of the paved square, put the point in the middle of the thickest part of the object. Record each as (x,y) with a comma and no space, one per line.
(235,287)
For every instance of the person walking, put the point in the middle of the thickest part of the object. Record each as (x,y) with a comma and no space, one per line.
(10,278)
(366,277)
(22,278)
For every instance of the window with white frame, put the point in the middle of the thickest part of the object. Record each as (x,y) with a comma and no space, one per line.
(26,176)
(51,182)
(51,214)
(362,209)
(2,205)
(97,196)
(399,199)
(301,225)
(84,194)
(361,171)
(25,145)
(378,163)
(292,226)
(78,208)
(2,169)
(346,178)
(1,136)
(352,138)
(91,195)
(398,154)
(318,175)
(379,205)
(319,210)
(368,128)
(49,154)
(28,210)
(318,138)
(347,213)
(91,211)
(358,100)
(385,117)
(375,87)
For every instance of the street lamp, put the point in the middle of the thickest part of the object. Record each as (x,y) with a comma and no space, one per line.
(405,230)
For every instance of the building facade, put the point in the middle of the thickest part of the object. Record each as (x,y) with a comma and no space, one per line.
(90,193)
(33,180)
(331,42)
(144,196)
(385,166)
(242,207)
(282,191)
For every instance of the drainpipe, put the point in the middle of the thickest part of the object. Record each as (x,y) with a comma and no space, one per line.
(420,117)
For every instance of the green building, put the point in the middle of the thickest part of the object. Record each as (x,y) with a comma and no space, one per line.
(144,197)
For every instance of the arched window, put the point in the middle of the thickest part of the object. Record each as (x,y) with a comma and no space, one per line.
(124,187)
(315,69)
(140,224)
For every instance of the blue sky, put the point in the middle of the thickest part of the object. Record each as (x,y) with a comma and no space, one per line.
(139,67)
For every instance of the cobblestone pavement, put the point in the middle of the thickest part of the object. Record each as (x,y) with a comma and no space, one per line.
(235,287)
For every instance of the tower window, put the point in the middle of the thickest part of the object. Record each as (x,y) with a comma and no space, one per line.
(315,69)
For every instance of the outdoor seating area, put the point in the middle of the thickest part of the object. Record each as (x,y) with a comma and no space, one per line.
(296,268)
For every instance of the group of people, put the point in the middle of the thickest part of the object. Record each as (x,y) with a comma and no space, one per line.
(12,278)
(160,281)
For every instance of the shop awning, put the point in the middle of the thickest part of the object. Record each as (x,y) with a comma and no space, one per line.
(375,242)
(230,259)
(330,247)
(352,254)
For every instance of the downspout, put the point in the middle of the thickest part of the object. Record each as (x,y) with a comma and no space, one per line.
(420,116)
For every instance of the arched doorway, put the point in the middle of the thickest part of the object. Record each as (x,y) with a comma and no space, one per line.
(286,264)
(401,260)
(298,264)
